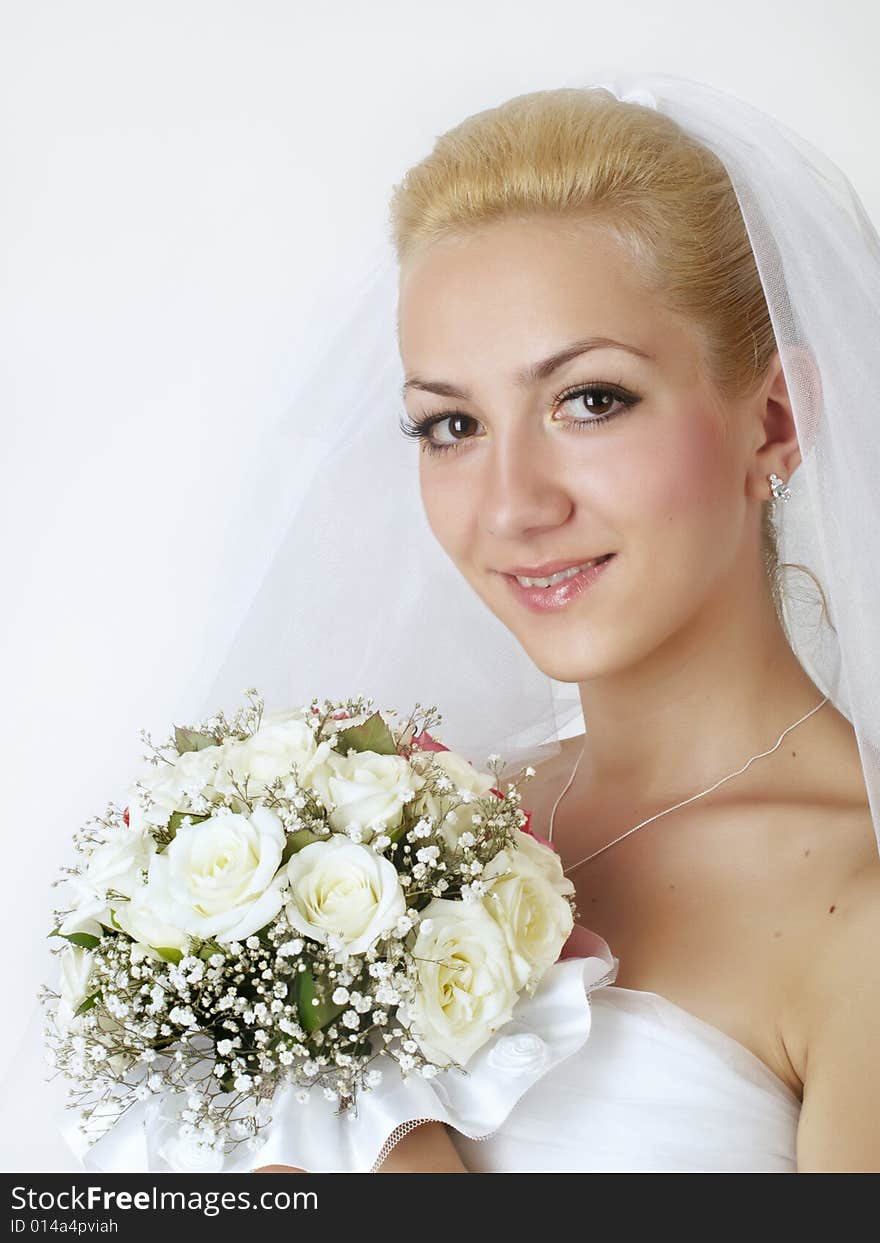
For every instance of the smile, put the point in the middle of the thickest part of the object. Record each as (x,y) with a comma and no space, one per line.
(557,590)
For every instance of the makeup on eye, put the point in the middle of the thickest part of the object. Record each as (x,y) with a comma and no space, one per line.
(419,427)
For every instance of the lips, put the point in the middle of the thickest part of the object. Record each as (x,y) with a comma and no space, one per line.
(564,592)
(551,567)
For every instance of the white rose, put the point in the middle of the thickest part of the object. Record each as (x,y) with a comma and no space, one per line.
(286,714)
(76,966)
(138,917)
(117,863)
(466,989)
(546,860)
(270,753)
(535,918)
(220,878)
(175,786)
(344,889)
(463,776)
(368,790)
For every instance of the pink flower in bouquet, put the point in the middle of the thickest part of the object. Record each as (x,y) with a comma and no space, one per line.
(582,943)
(427,743)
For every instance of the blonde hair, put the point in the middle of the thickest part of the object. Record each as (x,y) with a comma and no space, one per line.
(580,154)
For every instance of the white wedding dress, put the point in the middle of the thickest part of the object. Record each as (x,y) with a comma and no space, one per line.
(654,1089)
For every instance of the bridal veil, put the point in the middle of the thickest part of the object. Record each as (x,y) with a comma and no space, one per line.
(358,598)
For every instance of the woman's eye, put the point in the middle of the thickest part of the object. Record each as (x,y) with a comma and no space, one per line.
(456,432)
(589,414)
(597,403)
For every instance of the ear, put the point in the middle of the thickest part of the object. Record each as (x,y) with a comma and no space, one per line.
(788,409)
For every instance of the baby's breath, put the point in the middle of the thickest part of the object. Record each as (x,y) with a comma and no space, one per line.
(228,1024)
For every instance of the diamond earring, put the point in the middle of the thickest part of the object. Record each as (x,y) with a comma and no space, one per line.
(780,490)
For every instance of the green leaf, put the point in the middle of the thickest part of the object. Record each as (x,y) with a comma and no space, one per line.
(209,948)
(85,940)
(114,921)
(397,833)
(296,841)
(169,952)
(88,1003)
(175,820)
(372,735)
(314,1016)
(177,817)
(191,740)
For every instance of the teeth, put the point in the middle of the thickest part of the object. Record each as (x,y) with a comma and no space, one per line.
(556,578)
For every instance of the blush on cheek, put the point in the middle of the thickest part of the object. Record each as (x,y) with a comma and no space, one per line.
(688,472)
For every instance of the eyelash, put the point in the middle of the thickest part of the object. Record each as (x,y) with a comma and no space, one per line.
(420,427)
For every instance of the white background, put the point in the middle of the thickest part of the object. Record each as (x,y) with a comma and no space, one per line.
(182,184)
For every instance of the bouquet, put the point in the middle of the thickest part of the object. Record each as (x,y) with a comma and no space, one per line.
(307,900)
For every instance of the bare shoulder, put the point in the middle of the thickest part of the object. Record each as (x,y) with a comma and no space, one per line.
(834,918)
(840,1024)
(845,951)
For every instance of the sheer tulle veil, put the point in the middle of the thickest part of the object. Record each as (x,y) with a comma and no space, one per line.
(356,595)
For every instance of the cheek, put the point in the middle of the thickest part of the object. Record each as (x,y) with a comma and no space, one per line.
(446,499)
(681,487)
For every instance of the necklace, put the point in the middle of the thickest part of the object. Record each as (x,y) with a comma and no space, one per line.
(692,799)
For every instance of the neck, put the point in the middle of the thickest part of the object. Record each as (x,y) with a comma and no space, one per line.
(698,706)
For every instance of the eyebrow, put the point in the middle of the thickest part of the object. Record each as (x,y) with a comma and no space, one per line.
(531,374)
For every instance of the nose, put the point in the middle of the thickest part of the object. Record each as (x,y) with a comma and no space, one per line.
(523,488)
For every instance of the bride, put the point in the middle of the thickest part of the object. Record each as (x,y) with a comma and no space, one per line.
(594,372)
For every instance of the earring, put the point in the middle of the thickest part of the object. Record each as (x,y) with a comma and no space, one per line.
(780,490)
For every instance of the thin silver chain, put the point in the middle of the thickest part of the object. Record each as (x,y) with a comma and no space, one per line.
(692,799)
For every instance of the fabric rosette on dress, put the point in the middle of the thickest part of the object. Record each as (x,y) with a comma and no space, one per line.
(546,1029)
(306,934)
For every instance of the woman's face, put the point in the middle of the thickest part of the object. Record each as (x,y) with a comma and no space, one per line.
(521,473)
